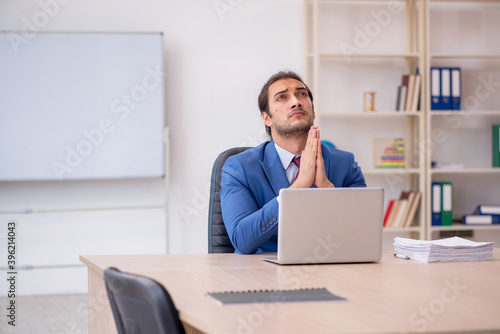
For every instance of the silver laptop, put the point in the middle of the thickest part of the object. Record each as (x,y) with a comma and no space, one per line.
(334,225)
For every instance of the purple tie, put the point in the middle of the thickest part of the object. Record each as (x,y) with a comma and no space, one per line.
(297,163)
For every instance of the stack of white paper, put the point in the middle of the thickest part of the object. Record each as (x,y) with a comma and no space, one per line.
(444,250)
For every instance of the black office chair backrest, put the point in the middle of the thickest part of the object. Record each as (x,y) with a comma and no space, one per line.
(140,304)
(218,240)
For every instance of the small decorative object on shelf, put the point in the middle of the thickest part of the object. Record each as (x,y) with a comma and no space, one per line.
(368,101)
(389,152)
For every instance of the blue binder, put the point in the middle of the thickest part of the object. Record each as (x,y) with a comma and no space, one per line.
(435,88)
(456,88)
(445,88)
(480,219)
(486,209)
(436,203)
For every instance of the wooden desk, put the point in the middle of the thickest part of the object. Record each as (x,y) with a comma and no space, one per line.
(392,296)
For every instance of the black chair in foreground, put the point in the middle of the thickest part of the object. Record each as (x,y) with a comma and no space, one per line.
(218,240)
(140,304)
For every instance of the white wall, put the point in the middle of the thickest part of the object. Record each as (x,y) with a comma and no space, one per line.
(218,54)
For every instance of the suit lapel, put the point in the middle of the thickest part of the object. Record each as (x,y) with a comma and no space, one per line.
(274,169)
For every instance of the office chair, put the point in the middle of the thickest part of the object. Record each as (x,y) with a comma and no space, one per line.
(140,304)
(218,240)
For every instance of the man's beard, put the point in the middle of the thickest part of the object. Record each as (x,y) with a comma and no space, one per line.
(295,130)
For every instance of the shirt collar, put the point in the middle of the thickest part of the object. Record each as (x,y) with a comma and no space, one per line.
(285,156)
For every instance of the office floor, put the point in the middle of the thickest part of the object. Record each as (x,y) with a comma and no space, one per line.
(53,314)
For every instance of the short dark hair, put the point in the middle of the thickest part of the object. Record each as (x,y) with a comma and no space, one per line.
(264,97)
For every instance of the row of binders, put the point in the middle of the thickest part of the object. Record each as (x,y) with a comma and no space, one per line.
(409,93)
(453,249)
(446,88)
(483,215)
(401,212)
(442,203)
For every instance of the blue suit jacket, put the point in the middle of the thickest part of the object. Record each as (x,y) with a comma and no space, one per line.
(250,183)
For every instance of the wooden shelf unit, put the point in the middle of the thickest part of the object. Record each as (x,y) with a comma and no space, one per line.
(412,37)
(465,134)
(328,67)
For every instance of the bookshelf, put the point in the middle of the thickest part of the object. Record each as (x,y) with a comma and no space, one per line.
(412,36)
(353,47)
(462,139)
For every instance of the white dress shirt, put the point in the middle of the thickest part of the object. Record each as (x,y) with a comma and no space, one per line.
(289,166)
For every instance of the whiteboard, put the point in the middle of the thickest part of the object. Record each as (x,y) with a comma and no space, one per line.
(81,106)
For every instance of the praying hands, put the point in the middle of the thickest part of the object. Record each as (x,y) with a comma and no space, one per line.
(312,167)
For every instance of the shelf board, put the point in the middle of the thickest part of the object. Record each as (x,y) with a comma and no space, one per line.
(472,1)
(464,56)
(465,112)
(347,1)
(354,1)
(365,55)
(343,114)
(402,229)
(383,171)
(464,170)
(462,227)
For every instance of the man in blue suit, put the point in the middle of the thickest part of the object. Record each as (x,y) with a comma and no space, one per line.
(251,180)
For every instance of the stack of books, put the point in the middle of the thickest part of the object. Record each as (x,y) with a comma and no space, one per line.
(408,95)
(483,215)
(401,212)
(444,250)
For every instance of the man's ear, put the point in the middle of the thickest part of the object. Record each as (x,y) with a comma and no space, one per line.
(266,118)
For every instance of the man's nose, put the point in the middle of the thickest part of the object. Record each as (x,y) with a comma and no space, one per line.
(296,103)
